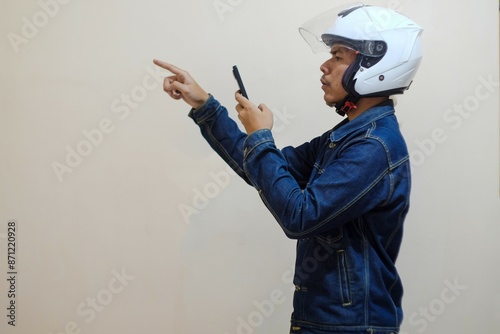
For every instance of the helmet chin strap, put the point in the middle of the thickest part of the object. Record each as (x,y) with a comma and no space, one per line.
(346,105)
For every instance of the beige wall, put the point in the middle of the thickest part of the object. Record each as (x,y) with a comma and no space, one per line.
(128,223)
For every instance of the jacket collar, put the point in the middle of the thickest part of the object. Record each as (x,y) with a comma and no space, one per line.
(373,114)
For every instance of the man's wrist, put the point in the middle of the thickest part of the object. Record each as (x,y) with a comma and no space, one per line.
(201,102)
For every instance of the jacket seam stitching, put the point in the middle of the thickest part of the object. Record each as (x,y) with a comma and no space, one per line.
(226,154)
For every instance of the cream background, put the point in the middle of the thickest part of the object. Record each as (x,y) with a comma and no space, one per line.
(118,211)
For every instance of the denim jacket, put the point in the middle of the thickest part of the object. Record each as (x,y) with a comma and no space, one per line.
(344,196)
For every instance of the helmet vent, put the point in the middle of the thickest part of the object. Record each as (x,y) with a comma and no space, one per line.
(348,11)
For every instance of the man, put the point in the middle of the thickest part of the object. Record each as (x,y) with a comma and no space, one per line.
(343,195)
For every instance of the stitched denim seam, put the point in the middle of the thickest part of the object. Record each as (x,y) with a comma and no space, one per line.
(249,150)
(331,217)
(226,154)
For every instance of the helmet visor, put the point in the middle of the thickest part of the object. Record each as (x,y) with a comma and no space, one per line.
(312,30)
(318,33)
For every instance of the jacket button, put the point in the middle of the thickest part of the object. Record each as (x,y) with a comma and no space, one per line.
(332,145)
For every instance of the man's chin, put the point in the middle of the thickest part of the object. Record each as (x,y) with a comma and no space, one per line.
(329,101)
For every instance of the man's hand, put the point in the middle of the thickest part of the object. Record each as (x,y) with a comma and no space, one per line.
(182,86)
(253,118)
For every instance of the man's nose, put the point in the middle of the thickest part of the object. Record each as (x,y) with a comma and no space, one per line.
(324,68)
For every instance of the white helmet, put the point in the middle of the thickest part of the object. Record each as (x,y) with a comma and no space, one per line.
(387,43)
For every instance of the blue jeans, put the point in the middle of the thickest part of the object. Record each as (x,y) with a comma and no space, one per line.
(303,330)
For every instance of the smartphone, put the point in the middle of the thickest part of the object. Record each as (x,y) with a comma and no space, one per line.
(240,82)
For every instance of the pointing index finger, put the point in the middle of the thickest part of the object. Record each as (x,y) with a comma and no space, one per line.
(168,67)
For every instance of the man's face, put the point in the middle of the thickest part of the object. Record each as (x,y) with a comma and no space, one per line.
(333,70)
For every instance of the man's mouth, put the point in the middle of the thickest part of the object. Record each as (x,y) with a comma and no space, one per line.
(324,82)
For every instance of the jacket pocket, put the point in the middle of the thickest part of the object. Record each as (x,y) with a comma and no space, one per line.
(344,282)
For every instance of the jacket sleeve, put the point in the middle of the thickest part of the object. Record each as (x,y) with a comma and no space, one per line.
(346,189)
(225,137)
(300,160)
(221,133)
